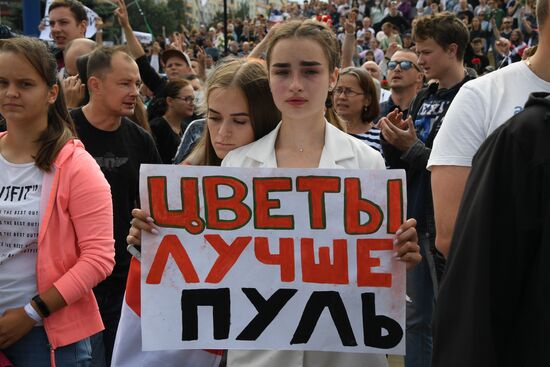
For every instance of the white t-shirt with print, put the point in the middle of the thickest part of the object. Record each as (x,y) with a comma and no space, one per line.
(20,188)
(479,108)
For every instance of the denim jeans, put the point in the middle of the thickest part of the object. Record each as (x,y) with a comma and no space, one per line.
(98,350)
(110,305)
(33,351)
(421,289)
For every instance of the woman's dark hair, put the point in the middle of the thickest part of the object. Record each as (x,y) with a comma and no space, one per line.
(369,89)
(140,116)
(76,8)
(60,127)
(173,87)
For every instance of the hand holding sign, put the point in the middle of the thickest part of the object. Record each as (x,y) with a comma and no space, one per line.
(406,241)
(240,242)
(141,222)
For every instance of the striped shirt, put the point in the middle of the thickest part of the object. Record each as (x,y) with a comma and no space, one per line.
(371,138)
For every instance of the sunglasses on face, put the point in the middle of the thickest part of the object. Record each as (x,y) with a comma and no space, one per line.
(404,65)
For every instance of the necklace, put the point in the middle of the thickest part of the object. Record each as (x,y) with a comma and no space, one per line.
(529,64)
(301,150)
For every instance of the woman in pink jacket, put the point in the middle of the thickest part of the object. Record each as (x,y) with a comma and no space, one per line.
(56,235)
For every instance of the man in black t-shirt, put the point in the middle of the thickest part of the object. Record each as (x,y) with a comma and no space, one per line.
(119,146)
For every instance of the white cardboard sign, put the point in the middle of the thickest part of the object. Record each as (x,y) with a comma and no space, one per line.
(283,259)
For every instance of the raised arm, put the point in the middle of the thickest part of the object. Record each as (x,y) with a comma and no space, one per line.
(512,9)
(496,31)
(525,23)
(201,58)
(150,77)
(133,43)
(348,46)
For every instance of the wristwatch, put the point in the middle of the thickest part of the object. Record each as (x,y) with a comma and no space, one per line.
(44,310)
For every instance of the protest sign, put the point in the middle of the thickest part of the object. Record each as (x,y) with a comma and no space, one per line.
(143,37)
(285,259)
(90,30)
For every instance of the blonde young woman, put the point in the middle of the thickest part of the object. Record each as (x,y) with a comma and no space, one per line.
(239,110)
(300,83)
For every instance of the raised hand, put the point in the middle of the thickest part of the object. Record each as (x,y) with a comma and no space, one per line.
(122,13)
(349,24)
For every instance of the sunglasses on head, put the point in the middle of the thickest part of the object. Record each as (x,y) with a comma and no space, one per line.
(405,65)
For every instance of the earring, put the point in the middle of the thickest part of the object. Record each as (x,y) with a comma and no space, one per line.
(328,102)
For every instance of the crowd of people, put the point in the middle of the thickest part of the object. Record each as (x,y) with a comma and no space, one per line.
(423,86)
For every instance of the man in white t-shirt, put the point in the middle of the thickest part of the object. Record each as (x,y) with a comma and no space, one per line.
(478,109)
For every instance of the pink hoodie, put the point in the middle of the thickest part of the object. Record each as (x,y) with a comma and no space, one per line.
(75,242)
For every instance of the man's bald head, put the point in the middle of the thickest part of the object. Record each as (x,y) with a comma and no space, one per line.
(74,50)
(373,69)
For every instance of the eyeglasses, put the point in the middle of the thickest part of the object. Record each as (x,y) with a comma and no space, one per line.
(405,65)
(348,92)
(188,99)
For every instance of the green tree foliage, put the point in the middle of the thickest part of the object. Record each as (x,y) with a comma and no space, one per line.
(169,14)
(177,11)
(144,14)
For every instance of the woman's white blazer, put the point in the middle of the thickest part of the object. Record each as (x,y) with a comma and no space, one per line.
(340,151)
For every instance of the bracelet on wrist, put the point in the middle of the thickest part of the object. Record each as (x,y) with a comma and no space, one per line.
(31,312)
(44,310)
